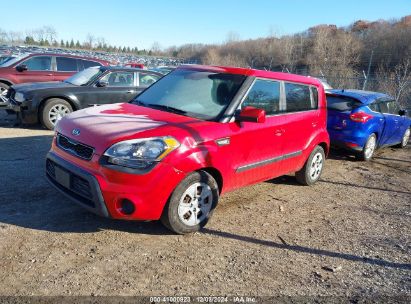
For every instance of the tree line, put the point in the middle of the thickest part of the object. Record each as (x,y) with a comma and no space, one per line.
(363,55)
(47,36)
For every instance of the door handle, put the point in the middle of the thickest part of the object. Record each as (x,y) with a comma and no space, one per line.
(279,132)
(49,74)
(130,91)
(314,124)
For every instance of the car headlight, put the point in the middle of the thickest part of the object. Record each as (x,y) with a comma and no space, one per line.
(140,153)
(19,97)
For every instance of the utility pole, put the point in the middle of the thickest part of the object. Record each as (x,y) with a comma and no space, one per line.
(368,71)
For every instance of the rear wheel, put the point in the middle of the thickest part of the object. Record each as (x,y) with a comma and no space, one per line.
(191,204)
(52,111)
(369,148)
(313,167)
(405,138)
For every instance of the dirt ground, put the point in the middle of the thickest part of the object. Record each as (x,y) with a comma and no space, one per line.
(348,235)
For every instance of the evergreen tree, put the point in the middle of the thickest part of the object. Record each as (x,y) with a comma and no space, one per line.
(67,44)
(62,43)
(78,45)
(72,43)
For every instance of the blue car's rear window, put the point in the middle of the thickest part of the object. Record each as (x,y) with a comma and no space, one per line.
(342,103)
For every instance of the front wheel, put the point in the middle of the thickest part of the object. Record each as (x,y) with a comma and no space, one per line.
(313,167)
(191,204)
(369,148)
(52,111)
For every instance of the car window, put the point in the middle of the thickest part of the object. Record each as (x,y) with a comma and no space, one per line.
(264,94)
(298,97)
(374,107)
(88,63)
(119,79)
(314,94)
(66,64)
(38,63)
(147,79)
(342,103)
(393,107)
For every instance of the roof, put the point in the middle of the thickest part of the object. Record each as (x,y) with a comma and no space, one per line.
(67,55)
(365,97)
(255,73)
(129,69)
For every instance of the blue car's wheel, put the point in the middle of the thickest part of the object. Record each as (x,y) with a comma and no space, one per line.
(405,139)
(369,148)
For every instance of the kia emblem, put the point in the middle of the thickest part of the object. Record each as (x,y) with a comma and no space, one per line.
(75,132)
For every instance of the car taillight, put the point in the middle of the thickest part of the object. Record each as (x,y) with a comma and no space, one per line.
(360,117)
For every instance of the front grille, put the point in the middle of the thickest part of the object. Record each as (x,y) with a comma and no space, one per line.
(79,188)
(74,147)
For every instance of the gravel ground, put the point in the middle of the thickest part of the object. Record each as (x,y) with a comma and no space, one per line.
(348,235)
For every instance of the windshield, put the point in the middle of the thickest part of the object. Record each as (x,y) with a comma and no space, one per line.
(84,77)
(10,60)
(200,94)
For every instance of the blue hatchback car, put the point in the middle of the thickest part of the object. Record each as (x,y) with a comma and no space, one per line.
(362,121)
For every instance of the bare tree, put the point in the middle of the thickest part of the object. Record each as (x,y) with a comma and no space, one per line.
(396,82)
(89,42)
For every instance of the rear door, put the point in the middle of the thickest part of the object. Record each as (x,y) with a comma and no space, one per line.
(65,67)
(39,68)
(393,123)
(299,122)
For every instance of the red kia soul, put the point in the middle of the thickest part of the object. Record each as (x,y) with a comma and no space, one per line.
(194,135)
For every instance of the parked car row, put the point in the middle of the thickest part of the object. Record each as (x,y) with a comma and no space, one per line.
(48,102)
(170,145)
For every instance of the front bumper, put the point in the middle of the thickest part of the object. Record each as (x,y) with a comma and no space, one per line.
(77,184)
(101,189)
(26,111)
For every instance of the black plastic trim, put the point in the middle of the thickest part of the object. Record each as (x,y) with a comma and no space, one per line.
(97,197)
(268,161)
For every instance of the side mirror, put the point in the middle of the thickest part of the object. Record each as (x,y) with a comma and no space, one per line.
(402,112)
(251,114)
(102,83)
(21,68)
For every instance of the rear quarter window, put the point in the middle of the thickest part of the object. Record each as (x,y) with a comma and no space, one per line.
(340,103)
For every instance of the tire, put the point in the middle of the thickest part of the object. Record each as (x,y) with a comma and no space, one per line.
(369,148)
(184,212)
(313,167)
(405,139)
(3,90)
(52,111)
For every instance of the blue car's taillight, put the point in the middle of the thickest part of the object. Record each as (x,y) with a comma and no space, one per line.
(360,117)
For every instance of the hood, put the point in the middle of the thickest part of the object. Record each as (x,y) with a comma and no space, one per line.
(102,126)
(26,87)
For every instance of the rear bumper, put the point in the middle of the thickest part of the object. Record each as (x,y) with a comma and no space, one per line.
(347,140)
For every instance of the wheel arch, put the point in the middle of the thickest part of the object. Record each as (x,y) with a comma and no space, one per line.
(7,82)
(216,174)
(45,99)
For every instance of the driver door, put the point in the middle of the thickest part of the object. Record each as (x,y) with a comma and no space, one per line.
(39,69)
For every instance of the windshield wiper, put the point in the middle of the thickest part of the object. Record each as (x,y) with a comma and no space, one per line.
(161,107)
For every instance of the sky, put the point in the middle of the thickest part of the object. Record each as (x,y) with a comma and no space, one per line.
(176,22)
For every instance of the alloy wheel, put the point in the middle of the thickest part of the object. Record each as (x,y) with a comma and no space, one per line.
(57,112)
